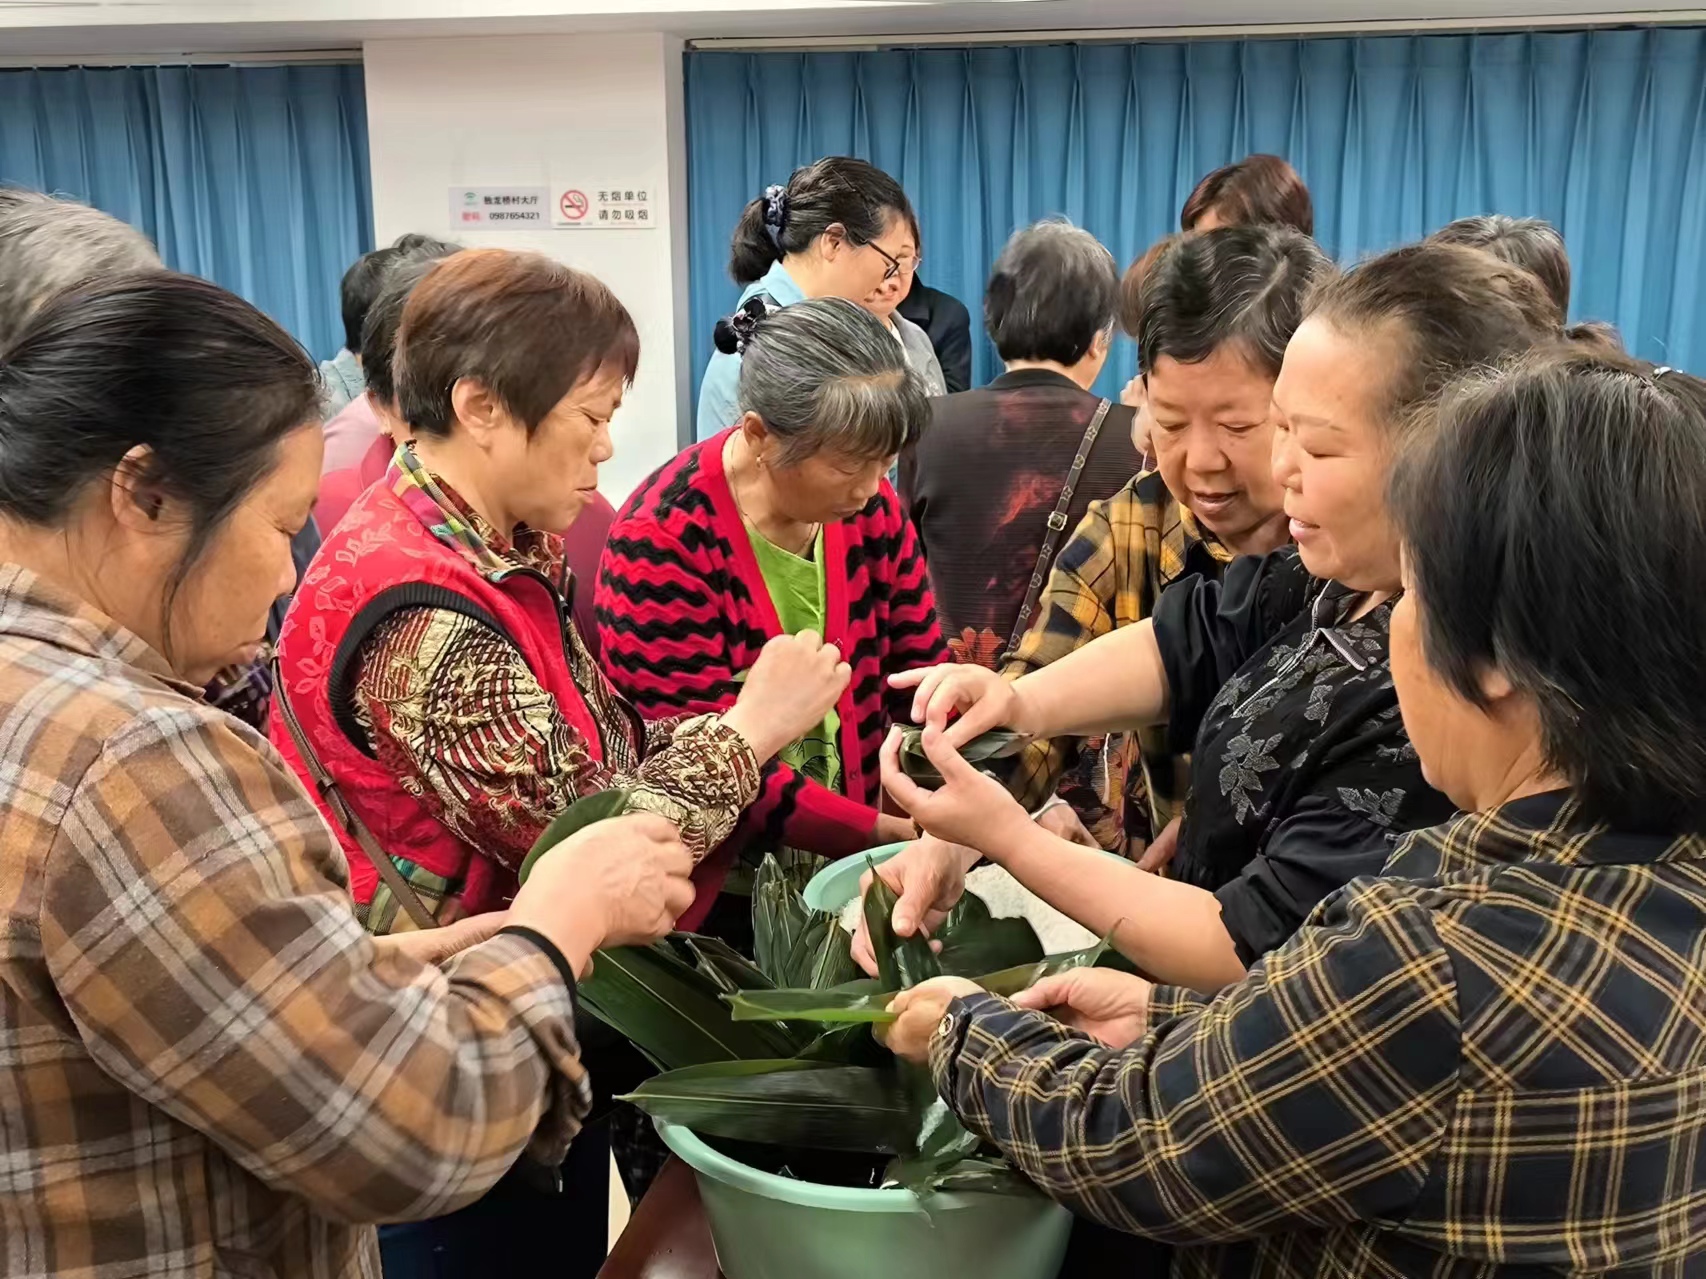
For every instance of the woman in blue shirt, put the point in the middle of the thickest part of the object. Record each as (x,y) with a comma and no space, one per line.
(839,229)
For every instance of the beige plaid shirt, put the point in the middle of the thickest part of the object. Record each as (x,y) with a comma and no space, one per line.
(206,1068)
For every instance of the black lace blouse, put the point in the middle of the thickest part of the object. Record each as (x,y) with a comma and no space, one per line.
(1302,773)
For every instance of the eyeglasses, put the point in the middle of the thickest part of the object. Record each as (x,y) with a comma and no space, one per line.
(897,266)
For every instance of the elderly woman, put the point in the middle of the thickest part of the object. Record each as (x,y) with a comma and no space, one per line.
(1215,314)
(429,659)
(205,1062)
(1488,1061)
(785,524)
(836,230)
(1002,470)
(1278,675)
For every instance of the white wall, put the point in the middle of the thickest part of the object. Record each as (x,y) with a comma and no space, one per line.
(539,111)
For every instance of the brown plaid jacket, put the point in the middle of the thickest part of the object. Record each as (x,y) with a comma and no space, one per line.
(1489,1061)
(1122,555)
(206,1067)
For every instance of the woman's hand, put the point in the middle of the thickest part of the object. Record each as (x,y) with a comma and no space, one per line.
(1106,1005)
(921,1010)
(928,877)
(621,882)
(969,809)
(983,699)
(1062,820)
(435,945)
(795,682)
(893,829)
(1161,849)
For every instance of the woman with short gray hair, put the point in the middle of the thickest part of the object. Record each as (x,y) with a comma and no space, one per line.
(995,485)
(785,523)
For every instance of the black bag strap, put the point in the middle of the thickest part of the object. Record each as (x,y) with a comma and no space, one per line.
(344,814)
(1057,523)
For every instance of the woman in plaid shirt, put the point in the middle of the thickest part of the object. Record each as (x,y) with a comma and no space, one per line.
(207,1067)
(1491,1060)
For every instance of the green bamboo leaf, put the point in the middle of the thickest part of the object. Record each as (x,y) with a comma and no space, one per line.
(833,964)
(671,1011)
(847,1045)
(984,752)
(902,962)
(855,1002)
(578,815)
(806,1104)
(974,1174)
(786,933)
(730,970)
(1010,981)
(980,944)
(862,1002)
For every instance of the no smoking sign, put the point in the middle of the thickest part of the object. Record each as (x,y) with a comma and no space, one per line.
(573,206)
(604,206)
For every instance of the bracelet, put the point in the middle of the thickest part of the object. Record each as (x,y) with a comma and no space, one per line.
(1049,805)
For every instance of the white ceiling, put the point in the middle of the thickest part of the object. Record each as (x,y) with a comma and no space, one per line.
(31,29)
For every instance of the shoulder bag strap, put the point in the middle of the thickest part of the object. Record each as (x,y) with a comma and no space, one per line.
(1057,523)
(412,905)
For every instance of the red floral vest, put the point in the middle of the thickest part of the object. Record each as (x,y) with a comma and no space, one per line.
(379,560)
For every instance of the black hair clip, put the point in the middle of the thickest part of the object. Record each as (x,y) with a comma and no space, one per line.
(734,333)
(776,212)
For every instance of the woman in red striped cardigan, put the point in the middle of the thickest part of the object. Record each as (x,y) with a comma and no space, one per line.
(783,523)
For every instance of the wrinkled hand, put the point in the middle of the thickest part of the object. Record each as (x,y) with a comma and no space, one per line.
(615,883)
(1062,820)
(921,1010)
(983,699)
(928,877)
(893,829)
(969,808)
(795,682)
(435,945)
(1161,849)
(1110,1006)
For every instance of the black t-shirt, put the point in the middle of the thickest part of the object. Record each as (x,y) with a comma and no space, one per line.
(1301,772)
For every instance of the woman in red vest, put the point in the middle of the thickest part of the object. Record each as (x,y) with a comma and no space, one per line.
(429,658)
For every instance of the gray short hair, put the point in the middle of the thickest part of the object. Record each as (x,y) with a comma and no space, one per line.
(827,374)
(48,245)
(1053,289)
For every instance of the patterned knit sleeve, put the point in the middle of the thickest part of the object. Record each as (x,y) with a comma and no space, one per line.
(664,646)
(912,636)
(454,711)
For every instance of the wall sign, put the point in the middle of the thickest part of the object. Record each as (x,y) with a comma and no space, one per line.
(477,208)
(604,206)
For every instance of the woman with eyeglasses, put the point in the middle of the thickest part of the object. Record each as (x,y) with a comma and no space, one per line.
(884,303)
(838,229)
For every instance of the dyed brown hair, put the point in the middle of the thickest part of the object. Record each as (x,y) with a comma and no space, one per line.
(1258,190)
(527,328)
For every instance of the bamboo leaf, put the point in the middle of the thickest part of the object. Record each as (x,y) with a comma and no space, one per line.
(833,964)
(847,1045)
(730,970)
(671,1011)
(578,815)
(1010,981)
(984,945)
(786,933)
(902,962)
(784,1103)
(981,752)
(855,1002)
(863,1002)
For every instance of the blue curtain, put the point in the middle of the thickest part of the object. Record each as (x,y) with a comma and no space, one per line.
(254,177)
(1602,133)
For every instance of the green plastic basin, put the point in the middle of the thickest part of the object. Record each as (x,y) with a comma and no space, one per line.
(838,883)
(769,1227)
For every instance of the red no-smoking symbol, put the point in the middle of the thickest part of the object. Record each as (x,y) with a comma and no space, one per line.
(574,205)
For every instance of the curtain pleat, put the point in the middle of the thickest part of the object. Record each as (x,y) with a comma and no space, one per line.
(1603,133)
(254,177)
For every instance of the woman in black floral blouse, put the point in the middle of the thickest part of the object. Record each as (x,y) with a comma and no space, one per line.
(1277,678)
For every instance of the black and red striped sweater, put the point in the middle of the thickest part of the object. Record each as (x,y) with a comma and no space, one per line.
(683,612)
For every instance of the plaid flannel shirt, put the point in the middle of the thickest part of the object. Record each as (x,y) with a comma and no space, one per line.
(1123,554)
(207,1068)
(1496,1063)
